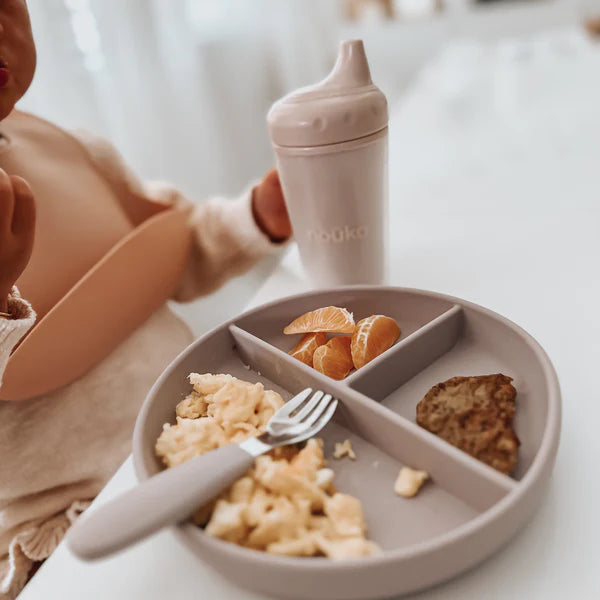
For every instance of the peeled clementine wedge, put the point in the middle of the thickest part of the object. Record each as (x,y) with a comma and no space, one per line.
(330,319)
(334,358)
(306,347)
(372,336)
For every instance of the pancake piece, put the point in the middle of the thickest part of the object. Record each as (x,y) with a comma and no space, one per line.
(476,415)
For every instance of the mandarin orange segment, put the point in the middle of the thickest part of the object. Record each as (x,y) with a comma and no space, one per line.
(334,358)
(330,319)
(372,336)
(306,347)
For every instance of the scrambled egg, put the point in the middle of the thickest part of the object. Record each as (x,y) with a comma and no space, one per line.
(344,449)
(286,504)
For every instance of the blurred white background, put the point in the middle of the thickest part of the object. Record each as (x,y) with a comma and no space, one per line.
(182,87)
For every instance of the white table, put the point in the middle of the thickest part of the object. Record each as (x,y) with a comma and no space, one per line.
(494,198)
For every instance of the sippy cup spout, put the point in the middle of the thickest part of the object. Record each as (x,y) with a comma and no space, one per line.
(344,106)
(351,68)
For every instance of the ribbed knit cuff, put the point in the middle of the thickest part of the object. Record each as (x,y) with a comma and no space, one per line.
(12,329)
(240,216)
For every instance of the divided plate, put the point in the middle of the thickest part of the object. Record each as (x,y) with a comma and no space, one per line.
(467,511)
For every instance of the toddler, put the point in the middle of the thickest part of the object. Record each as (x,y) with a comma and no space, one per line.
(95,254)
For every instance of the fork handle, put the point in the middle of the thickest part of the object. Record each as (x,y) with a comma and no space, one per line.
(164,499)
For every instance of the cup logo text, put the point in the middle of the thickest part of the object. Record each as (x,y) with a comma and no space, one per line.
(338,235)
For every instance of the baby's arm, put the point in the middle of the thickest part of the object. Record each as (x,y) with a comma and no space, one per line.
(17,227)
(228,236)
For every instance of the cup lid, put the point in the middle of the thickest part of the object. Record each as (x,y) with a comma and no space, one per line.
(345,106)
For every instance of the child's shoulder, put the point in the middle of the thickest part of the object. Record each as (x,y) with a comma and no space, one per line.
(20,121)
(26,121)
(36,132)
(39,132)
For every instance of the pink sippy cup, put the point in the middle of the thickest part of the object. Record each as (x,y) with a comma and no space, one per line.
(330,140)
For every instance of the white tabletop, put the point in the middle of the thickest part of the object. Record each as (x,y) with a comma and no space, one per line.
(494,157)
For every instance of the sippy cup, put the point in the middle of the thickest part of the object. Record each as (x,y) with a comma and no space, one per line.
(330,141)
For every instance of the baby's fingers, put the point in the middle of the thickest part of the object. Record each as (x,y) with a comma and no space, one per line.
(23,219)
(6,203)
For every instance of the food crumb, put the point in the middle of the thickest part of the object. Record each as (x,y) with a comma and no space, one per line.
(344,449)
(259,373)
(409,482)
(247,367)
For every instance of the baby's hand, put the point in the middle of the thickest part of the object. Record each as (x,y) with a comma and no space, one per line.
(17,227)
(269,208)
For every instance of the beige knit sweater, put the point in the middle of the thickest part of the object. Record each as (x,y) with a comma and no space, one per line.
(59,450)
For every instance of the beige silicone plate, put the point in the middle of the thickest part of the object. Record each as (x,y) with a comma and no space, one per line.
(465,513)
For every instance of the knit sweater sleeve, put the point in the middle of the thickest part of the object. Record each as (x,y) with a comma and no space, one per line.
(226,239)
(13,328)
